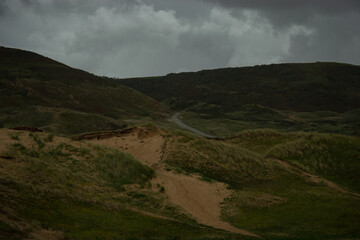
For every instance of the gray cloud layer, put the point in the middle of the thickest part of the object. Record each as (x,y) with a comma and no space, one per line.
(154,37)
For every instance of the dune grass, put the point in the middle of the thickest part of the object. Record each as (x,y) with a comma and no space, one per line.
(84,191)
(217,160)
(287,207)
(334,157)
(120,168)
(253,117)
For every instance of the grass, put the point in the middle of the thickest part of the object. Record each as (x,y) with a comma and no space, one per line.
(10,232)
(121,168)
(306,87)
(38,140)
(254,117)
(14,135)
(60,121)
(271,200)
(84,221)
(217,160)
(39,92)
(333,157)
(86,192)
(302,211)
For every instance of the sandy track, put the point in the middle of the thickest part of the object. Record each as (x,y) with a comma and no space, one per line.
(198,198)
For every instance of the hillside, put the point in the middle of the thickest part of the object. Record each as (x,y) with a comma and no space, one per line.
(40,92)
(150,183)
(310,97)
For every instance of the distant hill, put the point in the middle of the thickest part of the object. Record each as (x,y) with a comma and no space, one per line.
(296,87)
(268,96)
(38,91)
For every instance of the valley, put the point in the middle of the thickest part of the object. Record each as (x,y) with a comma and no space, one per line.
(264,152)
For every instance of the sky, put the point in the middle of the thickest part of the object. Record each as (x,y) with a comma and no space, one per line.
(134,38)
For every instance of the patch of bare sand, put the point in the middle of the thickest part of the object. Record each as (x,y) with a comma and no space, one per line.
(198,198)
(45,234)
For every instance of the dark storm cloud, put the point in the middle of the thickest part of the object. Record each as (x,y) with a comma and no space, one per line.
(318,6)
(152,37)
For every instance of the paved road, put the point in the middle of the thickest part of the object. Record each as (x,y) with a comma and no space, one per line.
(176,120)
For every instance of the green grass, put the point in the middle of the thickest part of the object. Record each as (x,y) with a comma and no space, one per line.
(270,200)
(85,221)
(305,211)
(261,140)
(217,160)
(334,157)
(83,191)
(252,117)
(60,121)
(121,168)
(287,206)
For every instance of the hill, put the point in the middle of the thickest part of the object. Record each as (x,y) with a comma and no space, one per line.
(40,92)
(311,97)
(150,183)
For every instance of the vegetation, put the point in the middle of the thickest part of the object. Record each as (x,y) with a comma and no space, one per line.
(288,207)
(296,87)
(285,179)
(78,190)
(335,158)
(272,199)
(37,91)
(288,97)
(259,117)
(212,158)
(126,171)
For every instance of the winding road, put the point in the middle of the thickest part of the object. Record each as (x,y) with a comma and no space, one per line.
(176,120)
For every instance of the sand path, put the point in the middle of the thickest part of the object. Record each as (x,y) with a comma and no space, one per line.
(198,198)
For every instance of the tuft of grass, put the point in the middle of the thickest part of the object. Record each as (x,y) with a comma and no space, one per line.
(38,140)
(120,168)
(49,138)
(15,135)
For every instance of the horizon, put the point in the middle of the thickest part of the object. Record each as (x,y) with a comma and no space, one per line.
(195,71)
(130,39)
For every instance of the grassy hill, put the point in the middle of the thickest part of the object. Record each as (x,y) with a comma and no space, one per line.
(285,185)
(281,185)
(40,92)
(55,188)
(311,97)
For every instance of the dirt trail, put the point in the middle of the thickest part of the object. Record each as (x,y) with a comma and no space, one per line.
(317,179)
(198,198)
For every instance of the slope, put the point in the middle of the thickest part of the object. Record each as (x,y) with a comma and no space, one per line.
(56,188)
(41,92)
(311,97)
(280,186)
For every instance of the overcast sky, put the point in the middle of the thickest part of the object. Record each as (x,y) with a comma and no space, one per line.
(130,38)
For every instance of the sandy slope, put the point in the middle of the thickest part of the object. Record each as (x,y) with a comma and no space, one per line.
(198,198)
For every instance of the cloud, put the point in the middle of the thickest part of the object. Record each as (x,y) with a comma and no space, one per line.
(155,37)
